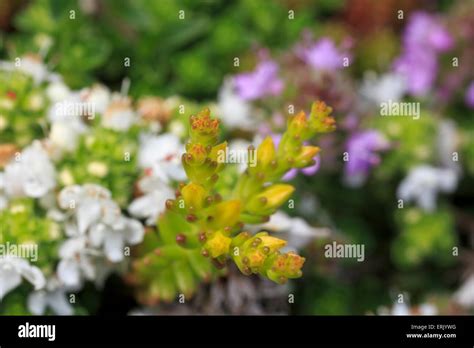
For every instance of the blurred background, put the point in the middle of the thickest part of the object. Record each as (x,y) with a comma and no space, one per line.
(402,186)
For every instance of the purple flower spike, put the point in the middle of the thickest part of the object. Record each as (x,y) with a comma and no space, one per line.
(261,82)
(469,98)
(323,55)
(362,148)
(424,38)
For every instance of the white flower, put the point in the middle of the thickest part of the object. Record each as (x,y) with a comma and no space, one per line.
(401,309)
(119,114)
(241,146)
(114,236)
(13,269)
(34,67)
(98,216)
(379,89)
(152,203)
(65,110)
(233,110)
(52,296)
(32,175)
(97,168)
(77,262)
(447,143)
(90,204)
(58,91)
(465,294)
(63,136)
(98,95)
(298,231)
(3,198)
(423,184)
(162,155)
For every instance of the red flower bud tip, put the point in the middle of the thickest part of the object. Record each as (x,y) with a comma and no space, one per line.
(256,242)
(146,261)
(157,252)
(169,203)
(245,260)
(181,239)
(246,270)
(209,199)
(11,95)
(205,253)
(266,250)
(227,229)
(202,237)
(191,218)
(214,177)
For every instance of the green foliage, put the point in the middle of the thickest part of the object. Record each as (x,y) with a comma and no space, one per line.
(424,236)
(203,44)
(105,157)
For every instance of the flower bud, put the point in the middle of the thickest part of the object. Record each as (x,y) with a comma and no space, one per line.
(285,266)
(306,156)
(224,214)
(265,153)
(217,244)
(194,196)
(320,120)
(204,129)
(269,199)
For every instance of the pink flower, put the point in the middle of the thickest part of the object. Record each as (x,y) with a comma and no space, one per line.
(323,55)
(261,82)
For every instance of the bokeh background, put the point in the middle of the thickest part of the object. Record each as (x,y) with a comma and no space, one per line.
(405,192)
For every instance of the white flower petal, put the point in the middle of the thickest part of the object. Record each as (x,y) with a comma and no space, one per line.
(87,214)
(134,232)
(113,246)
(37,302)
(58,302)
(10,278)
(97,234)
(34,275)
(69,273)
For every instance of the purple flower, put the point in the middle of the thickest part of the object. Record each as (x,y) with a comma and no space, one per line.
(308,171)
(362,148)
(425,30)
(424,38)
(469,97)
(323,55)
(261,82)
(419,69)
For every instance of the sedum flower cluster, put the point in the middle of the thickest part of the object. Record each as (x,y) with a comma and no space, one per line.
(201,223)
